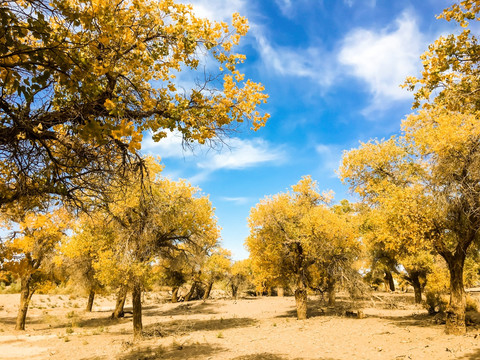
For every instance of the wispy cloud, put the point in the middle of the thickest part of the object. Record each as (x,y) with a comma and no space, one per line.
(351,3)
(312,62)
(236,200)
(236,154)
(285,7)
(330,157)
(168,147)
(220,10)
(384,59)
(243,154)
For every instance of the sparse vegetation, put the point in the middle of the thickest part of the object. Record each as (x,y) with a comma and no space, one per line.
(86,215)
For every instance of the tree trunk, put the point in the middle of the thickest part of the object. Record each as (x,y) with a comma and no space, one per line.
(91,297)
(234,291)
(208,291)
(137,309)
(389,280)
(456,308)
(191,291)
(280,291)
(417,288)
(25,296)
(331,291)
(301,302)
(121,297)
(175,294)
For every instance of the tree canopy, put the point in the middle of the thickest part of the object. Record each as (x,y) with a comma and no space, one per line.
(81,80)
(428,178)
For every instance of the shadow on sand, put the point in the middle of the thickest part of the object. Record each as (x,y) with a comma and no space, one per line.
(181,327)
(269,356)
(196,351)
(190,308)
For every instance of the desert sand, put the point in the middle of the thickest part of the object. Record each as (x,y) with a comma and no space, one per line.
(245,329)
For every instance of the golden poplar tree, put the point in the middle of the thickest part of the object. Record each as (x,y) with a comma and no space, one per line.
(81,80)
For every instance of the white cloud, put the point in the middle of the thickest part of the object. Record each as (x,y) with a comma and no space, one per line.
(330,157)
(285,7)
(236,200)
(384,59)
(243,154)
(311,63)
(236,154)
(219,10)
(168,147)
(351,3)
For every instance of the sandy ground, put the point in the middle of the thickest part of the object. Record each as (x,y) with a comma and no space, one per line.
(246,329)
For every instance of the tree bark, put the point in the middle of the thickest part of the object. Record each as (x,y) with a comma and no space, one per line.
(389,280)
(234,291)
(121,297)
(331,291)
(91,297)
(137,309)
(280,291)
(175,294)
(417,288)
(456,308)
(25,296)
(208,291)
(301,302)
(191,291)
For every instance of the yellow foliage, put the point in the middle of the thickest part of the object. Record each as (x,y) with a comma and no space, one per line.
(91,76)
(289,232)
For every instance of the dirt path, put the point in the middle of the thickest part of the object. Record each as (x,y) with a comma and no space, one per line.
(247,329)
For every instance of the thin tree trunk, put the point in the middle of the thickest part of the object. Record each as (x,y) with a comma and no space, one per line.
(137,309)
(280,291)
(417,288)
(25,296)
(208,291)
(389,280)
(234,291)
(456,308)
(331,291)
(191,291)
(301,302)
(120,304)
(175,294)
(91,297)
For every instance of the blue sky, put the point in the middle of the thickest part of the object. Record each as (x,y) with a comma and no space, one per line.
(332,69)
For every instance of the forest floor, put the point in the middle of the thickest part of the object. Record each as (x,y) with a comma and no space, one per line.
(245,329)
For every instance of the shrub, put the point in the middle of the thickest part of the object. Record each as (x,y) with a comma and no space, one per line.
(436,290)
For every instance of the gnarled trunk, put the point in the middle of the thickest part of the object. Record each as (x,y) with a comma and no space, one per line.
(235,291)
(331,291)
(301,302)
(191,291)
(175,294)
(137,309)
(208,291)
(91,297)
(120,304)
(301,299)
(417,288)
(456,308)
(25,296)
(389,280)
